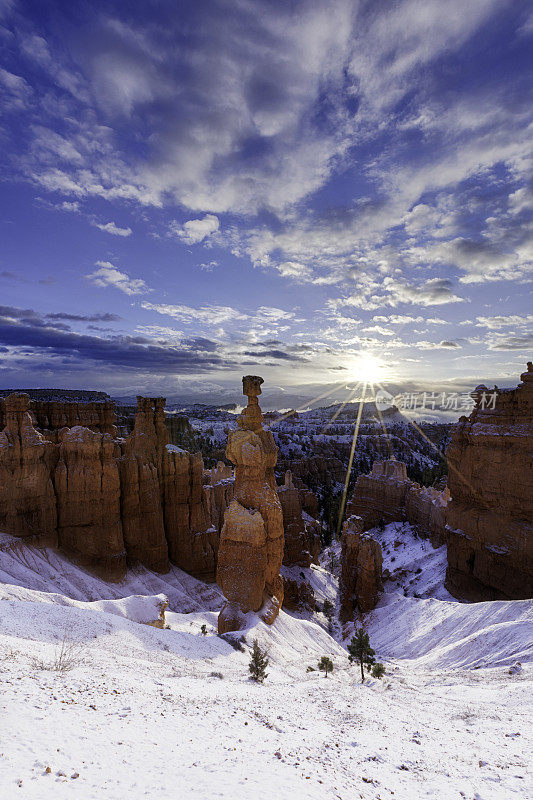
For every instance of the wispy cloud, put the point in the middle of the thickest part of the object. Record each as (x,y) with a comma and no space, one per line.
(113,229)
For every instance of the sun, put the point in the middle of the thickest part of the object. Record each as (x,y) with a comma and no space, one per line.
(368,369)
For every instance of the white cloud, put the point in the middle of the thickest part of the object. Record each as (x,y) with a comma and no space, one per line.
(160,333)
(433,292)
(207,315)
(195,230)
(293,269)
(271,313)
(66,205)
(501,321)
(110,227)
(506,342)
(397,319)
(378,329)
(109,275)
(393,291)
(213,315)
(444,345)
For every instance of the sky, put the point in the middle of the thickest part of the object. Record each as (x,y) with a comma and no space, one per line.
(316,191)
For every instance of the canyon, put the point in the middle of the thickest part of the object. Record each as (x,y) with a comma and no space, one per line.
(70,478)
(117,540)
(110,501)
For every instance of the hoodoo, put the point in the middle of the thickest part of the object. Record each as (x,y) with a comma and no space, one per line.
(251,541)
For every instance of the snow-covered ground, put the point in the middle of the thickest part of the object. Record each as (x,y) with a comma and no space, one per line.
(170,713)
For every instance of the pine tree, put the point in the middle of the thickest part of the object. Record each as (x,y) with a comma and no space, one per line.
(258,663)
(325,665)
(360,651)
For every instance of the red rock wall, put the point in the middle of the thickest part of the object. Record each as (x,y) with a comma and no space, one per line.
(191,536)
(141,478)
(87,487)
(490,516)
(380,496)
(106,500)
(302,532)
(27,496)
(49,416)
(387,495)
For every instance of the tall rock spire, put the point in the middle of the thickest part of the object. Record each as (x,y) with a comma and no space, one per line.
(251,541)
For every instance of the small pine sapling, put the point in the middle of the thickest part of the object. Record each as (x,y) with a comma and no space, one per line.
(258,663)
(360,651)
(203,629)
(325,665)
(378,670)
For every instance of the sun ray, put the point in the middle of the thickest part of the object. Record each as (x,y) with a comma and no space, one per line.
(339,410)
(443,456)
(336,388)
(350,460)
(380,415)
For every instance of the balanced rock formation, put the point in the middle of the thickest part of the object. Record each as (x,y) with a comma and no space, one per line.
(251,541)
(361,569)
(490,516)
(27,460)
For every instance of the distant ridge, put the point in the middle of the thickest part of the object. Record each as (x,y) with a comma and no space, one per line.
(80,395)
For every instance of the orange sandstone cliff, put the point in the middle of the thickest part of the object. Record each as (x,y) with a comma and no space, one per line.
(105,500)
(490,516)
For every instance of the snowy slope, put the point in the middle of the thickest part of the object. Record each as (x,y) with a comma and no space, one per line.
(171,713)
(141,715)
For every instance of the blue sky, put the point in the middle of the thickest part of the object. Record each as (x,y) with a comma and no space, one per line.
(314,191)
